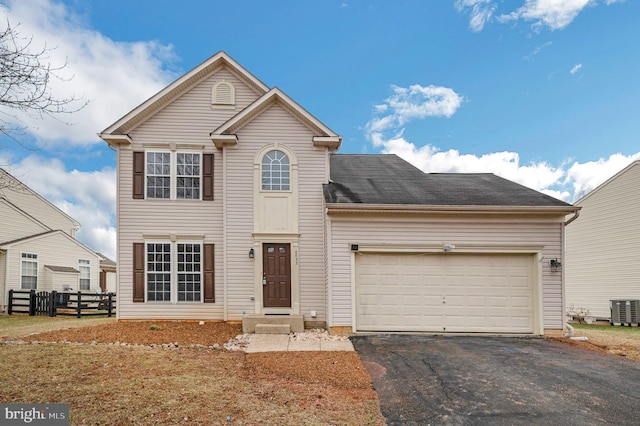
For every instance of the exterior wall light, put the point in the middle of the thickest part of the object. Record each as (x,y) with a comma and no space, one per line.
(252,254)
(555,264)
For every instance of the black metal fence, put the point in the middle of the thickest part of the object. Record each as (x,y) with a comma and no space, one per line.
(56,303)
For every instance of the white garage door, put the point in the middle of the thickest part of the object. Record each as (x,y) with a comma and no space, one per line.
(444,293)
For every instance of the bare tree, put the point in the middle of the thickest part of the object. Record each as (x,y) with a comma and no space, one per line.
(25,77)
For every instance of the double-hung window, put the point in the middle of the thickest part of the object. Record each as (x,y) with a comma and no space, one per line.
(164,174)
(158,175)
(188,176)
(29,271)
(174,272)
(189,272)
(84,266)
(158,272)
(173,175)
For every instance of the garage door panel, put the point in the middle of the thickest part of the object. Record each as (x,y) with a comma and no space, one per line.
(444,292)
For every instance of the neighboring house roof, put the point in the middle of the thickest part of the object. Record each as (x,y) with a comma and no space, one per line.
(105,262)
(607,182)
(68,269)
(386,179)
(117,133)
(8,244)
(9,181)
(27,238)
(225,133)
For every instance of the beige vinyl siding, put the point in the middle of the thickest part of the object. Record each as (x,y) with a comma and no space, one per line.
(41,210)
(15,224)
(138,218)
(53,249)
(188,120)
(602,259)
(191,118)
(275,125)
(417,231)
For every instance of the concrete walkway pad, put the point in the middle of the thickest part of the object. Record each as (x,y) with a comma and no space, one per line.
(285,342)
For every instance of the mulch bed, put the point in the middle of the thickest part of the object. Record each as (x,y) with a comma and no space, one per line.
(146,333)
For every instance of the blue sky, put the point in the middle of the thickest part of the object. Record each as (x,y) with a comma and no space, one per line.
(542,92)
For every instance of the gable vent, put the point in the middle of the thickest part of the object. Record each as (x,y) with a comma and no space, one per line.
(223,93)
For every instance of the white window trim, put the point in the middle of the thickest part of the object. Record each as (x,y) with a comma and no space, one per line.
(31,260)
(173,173)
(173,280)
(82,264)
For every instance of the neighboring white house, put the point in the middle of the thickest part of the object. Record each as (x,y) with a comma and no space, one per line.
(603,246)
(233,204)
(38,248)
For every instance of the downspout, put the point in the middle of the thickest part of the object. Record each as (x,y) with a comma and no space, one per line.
(224,231)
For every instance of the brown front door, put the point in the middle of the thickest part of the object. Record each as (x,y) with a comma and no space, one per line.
(276,275)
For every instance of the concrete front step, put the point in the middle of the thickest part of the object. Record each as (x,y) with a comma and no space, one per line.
(295,322)
(273,329)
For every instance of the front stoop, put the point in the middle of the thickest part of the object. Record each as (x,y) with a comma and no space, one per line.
(272,324)
(273,329)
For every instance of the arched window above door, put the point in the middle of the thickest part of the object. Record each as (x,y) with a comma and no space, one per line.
(276,171)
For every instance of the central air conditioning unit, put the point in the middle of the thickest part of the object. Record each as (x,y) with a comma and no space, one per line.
(625,311)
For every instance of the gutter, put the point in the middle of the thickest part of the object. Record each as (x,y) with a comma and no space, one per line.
(420,208)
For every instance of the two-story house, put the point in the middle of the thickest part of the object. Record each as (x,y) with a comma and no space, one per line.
(233,205)
(38,245)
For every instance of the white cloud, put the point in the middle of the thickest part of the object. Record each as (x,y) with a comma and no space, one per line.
(564,182)
(555,14)
(480,12)
(536,51)
(88,197)
(409,103)
(584,177)
(113,76)
(576,68)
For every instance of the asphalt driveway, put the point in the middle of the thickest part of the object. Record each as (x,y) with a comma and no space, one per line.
(457,380)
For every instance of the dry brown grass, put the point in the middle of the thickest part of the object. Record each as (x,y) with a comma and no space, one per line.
(618,340)
(143,386)
(114,385)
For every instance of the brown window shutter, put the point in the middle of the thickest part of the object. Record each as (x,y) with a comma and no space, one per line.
(207,177)
(138,272)
(209,280)
(103,281)
(138,175)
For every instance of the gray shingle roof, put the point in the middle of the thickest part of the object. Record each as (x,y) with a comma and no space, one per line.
(388,179)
